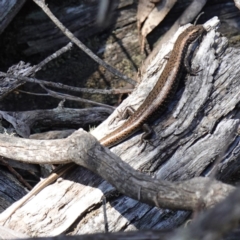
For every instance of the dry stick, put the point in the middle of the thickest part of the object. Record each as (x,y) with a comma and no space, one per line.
(59,171)
(15,173)
(64,49)
(39,66)
(43,6)
(73,98)
(26,70)
(35,94)
(65,97)
(66,87)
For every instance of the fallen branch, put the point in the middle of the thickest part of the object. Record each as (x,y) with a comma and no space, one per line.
(65,87)
(83,149)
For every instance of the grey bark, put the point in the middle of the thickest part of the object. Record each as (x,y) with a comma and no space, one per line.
(197,136)
(23,122)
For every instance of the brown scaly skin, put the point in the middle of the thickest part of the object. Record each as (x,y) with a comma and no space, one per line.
(165,88)
(154,104)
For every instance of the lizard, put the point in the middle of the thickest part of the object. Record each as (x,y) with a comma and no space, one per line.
(155,103)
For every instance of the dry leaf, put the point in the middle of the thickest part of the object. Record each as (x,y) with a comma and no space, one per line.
(157,15)
(152,12)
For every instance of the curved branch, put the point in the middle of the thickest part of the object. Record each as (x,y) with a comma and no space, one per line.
(108,67)
(83,149)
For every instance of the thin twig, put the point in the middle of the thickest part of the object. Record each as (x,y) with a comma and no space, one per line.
(16,174)
(43,6)
(104,203)
(34,94)
(51,57)
(67,87)
(26,70)
(56,54)
(73,98)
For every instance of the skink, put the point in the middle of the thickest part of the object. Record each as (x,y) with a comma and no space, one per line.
(157,99)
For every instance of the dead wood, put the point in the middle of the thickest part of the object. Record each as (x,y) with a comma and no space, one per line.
(22,69)
(8,10)
(6,233)
(195,137)
(11,190)
(208,225)
(84,150)
(7,85)
(60,117)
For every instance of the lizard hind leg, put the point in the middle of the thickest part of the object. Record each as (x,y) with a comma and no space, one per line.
(145,138)
(126,113)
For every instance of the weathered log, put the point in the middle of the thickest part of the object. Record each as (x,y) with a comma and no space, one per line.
(196,136)
(208,225)
(11,190)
